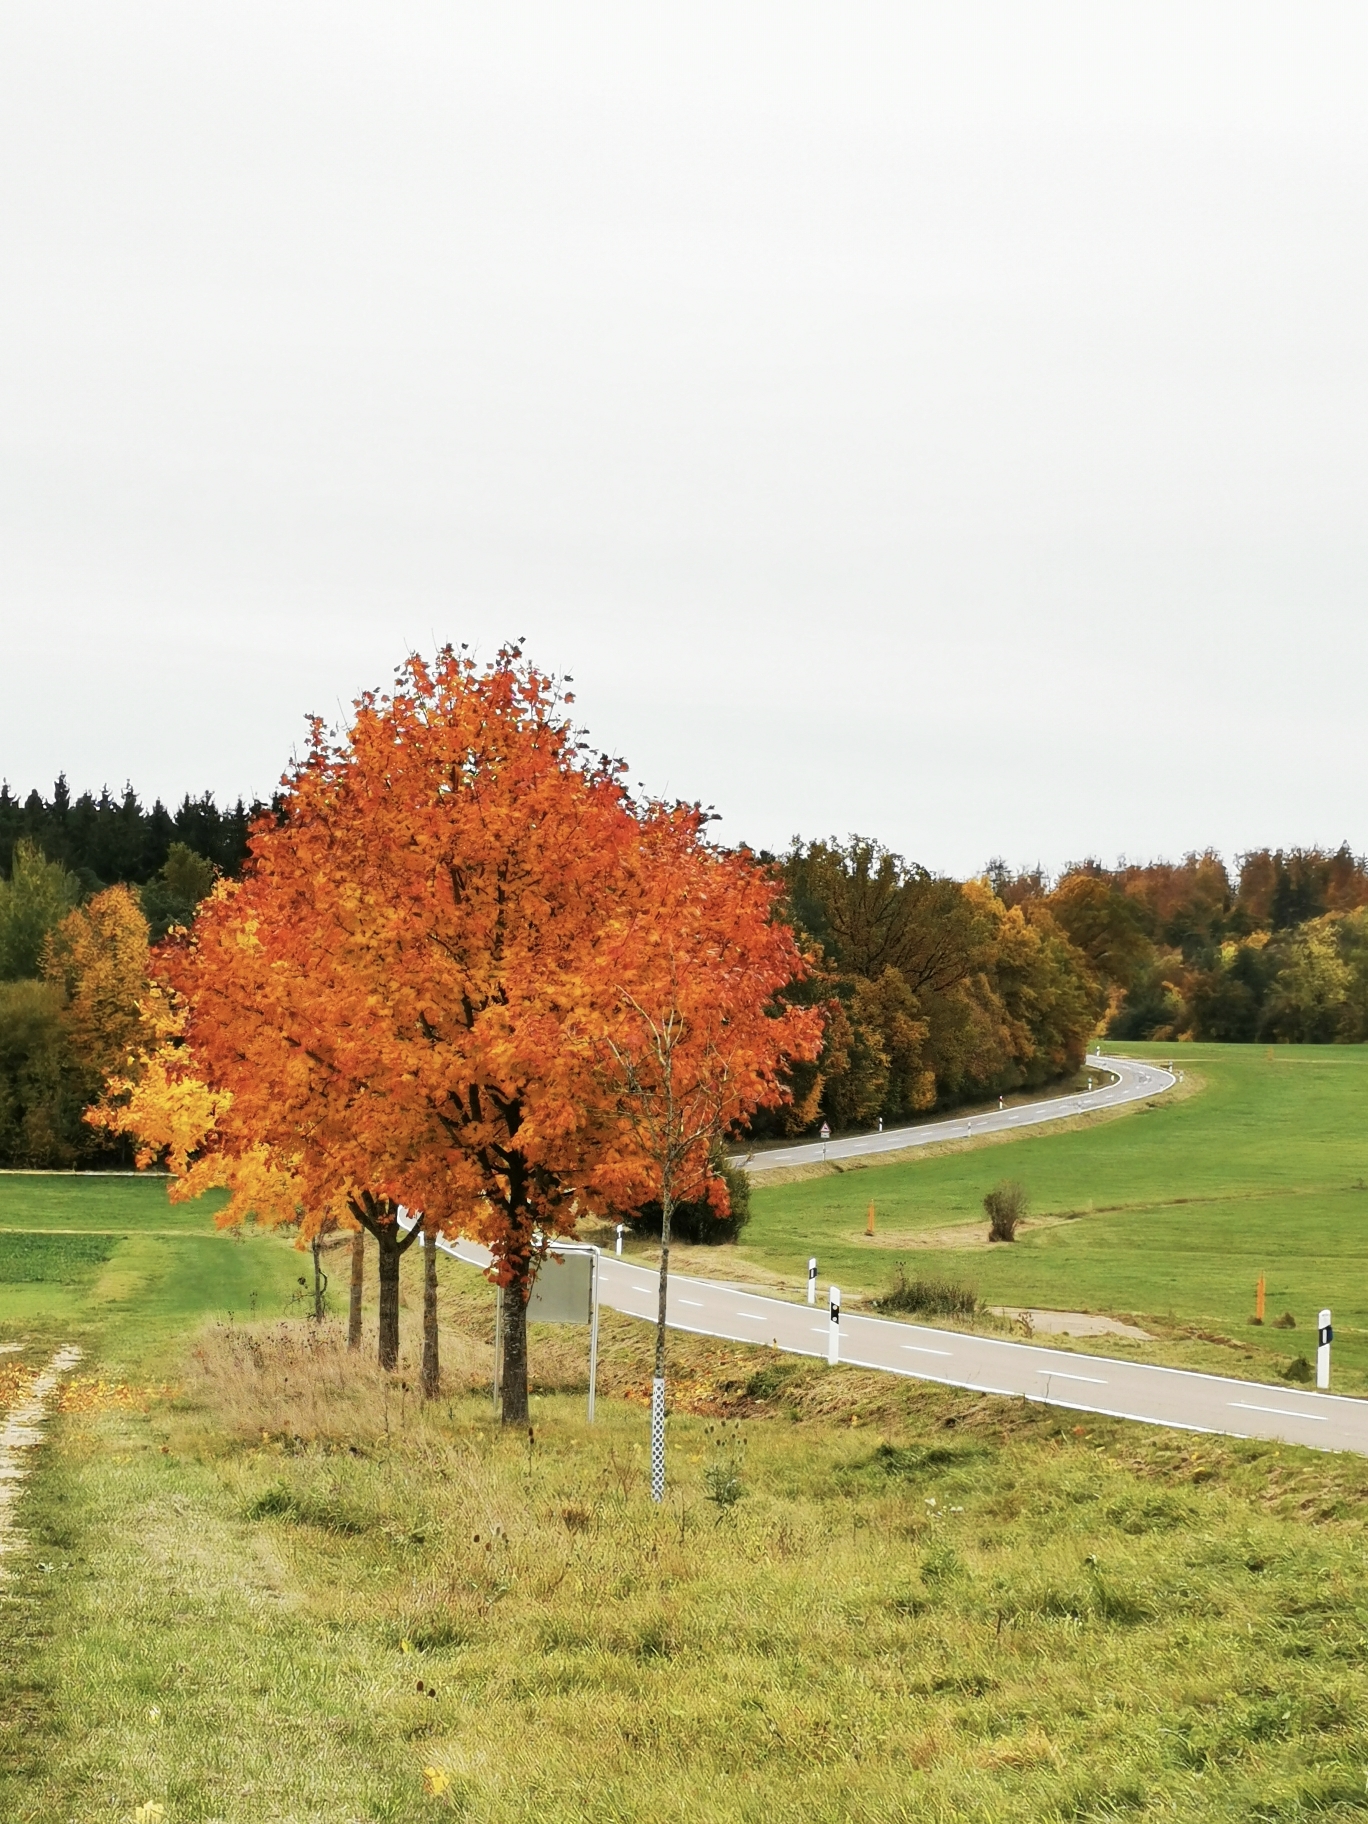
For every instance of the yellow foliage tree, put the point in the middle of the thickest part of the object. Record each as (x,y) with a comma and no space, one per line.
(97,956)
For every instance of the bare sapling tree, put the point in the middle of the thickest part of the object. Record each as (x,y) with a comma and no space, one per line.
(320,1280)
(674,1117)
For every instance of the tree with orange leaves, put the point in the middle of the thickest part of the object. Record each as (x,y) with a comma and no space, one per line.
(406,1000)
(697,1039)
(379,1004)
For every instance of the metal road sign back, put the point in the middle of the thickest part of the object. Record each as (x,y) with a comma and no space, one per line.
(563,1291)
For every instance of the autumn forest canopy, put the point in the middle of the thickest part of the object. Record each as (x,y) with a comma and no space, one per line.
(933,992)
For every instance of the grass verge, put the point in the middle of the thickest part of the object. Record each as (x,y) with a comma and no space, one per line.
(269,1584)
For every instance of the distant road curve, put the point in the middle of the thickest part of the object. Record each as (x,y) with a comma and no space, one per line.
(1137,1080)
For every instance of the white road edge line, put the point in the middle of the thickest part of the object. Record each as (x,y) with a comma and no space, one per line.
(1280,1412)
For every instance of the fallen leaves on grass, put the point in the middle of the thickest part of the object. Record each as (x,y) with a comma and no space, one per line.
(15,1381)
(92,1393)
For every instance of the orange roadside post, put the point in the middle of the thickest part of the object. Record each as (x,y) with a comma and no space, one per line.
(869,1220)
(1259,1301)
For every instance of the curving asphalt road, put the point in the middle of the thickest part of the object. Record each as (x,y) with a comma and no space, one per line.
(1135,1082)
(1098,1384)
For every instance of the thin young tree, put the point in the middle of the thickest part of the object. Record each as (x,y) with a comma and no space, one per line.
(698,1040)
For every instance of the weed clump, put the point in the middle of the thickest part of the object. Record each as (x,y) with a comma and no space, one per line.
(1298,1369)
(928,1297)
(1005,1207)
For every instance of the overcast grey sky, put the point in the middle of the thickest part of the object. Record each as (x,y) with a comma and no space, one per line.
(940,422)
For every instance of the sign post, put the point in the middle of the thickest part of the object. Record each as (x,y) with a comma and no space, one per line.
(566,1291)
(1325,1335)
(826,1135)
(812,1280)
(834,1327)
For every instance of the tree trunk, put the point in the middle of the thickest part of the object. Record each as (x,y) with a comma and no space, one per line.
(358,1283)
(432,1371)
(320,1281)
(387,1240)
(382,1219)
(513,1386)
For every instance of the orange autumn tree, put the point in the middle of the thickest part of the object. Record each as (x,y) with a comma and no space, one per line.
(381,1003)
(697,1039)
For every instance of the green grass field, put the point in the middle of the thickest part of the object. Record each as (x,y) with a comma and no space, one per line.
(1170,1212)
(110,1263)
(260,1583)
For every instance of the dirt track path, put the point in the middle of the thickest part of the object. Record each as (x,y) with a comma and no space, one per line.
(22,1431)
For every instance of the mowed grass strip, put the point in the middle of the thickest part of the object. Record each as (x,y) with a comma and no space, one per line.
(120,1205)
(113,1266)
(1171,1212)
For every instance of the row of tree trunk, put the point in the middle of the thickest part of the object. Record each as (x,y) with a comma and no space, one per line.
(391,1243)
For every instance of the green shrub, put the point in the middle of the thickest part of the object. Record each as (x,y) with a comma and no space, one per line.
(698,1221)
(928,1297)
(1005,1206)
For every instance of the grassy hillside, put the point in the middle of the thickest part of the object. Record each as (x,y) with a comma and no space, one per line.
(1169,1212)
(278,1590)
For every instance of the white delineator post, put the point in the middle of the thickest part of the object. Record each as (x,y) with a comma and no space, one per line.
(619,1238)
(812,1280)
(834,1326)
(1325,1335)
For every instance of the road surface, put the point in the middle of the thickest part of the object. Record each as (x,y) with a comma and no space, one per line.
(1175,1397)
(1135,1082)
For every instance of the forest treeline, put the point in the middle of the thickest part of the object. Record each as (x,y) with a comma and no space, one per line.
(943,991)
(1275,952)
(106,839)
(86,886)
(937,992)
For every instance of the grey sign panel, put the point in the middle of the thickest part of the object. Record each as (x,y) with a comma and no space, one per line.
(562,1292)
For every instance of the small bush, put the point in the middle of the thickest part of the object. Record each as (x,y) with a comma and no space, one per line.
(328,1507)
(1285,1322)
(1005,1206)
(722,1482)
(722,1485)
(928,1297)
(1298,1369)
(699,1221)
